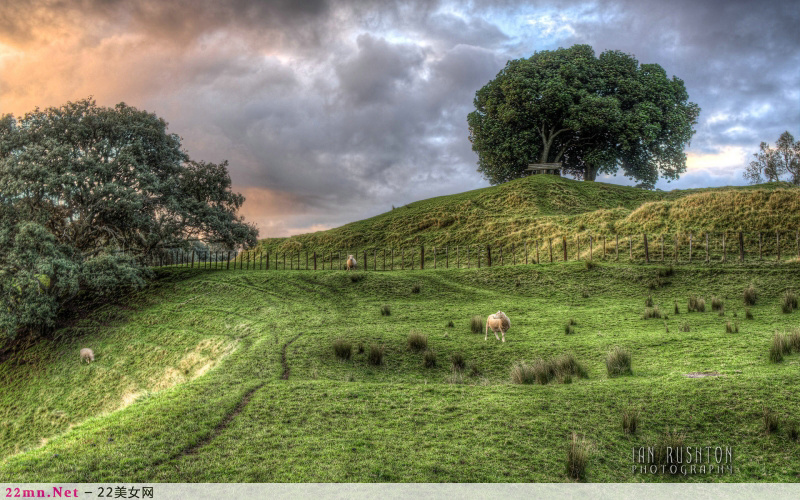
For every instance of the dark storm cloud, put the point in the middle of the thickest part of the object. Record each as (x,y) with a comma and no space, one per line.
(333,111)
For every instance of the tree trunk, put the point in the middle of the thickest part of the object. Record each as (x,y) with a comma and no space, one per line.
(590,174)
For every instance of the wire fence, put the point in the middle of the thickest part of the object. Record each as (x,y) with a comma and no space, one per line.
(707,247)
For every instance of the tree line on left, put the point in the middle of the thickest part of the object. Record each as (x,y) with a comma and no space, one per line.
(87,194)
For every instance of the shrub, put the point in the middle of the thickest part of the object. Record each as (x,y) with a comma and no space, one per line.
(648,302)
(544,371)
(375,357)
(750,295)
(716,303)
(386,310)
(748,314)
(429,359)
(734,328)
(458,362)
(618,362)
(791,431)
(577,457)
(630,420)
(789,302)
(523,373)
(417,341)
(590,265)
(416,288)
(794,341)
(476,324)
(770,420)
(652,312)
(343,349)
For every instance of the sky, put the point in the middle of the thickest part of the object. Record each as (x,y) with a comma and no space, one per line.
(334,111)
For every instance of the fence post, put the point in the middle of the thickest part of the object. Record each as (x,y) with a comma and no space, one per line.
(551,249)
(707,256)
(662,247)
(513,256)
(724,254)
(402,259)
(315,260)
(384,258)
(458,258)
(690,246)
(577,247)
(537,251)
(630,248)
(488,256)
(501,255)
(778,245)
(422,257)
(468,247)
(590,247)
(447,257)
(760,257)
(392,268)
(434,257)
(646,250)
(526,252)
(564,246)
(741,247)
(374,259)
(616,236)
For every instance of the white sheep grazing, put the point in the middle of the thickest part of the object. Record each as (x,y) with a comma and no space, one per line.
(87,355)
(498,322)
(351,262)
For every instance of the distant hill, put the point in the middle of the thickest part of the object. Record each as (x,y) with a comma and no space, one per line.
(548,206)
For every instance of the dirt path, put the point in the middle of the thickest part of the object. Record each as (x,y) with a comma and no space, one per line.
(284,363)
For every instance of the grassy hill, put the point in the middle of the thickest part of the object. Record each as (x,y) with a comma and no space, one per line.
(229,376)
(544,206)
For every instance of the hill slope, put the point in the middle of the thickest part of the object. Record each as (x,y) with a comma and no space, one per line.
(548,206)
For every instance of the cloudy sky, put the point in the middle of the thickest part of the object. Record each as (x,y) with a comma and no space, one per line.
(333,111)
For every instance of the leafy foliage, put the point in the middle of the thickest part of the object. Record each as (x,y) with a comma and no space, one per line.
(593,114)
(774,163)
(80,183)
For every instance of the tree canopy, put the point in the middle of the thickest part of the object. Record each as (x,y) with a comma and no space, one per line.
(774,163)
(80,182)
(592,114)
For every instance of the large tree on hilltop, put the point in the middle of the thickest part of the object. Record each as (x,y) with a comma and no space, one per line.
(80,182)
(593,114)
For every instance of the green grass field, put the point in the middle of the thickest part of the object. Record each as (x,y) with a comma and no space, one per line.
(188,382)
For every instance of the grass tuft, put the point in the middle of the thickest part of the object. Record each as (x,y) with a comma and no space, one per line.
(450,324)
(417,341)
(791,431)
(716,303)
(789,302)
(652,312)
(577,457)
(669,450)
(590,265)
(750,295)
(677,310)
(685,327)
(416,288)
(748,314)
(356,277)
(618,362)
(476,324)
(778,348)
(770,420)
(386,310)
(429,359)
(459,364)
(630,420)
(375,357)
(343,349)
(696,304)
(731,328)
(648,302)
(523,373)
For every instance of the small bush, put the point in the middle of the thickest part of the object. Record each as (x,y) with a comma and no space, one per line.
(630,421)
(375,357)
(567,365)
(568,329)
(343,349)
(618,362)
(652,312)
(450,324)
(734,328)
(476,324)
(748,314)
(417,341)
(716,303)
(523,373)
(770,420)
(648,302)
(750,295)
(544,371)
(685,327)
(429,359)
(789,302)
(415,289)
(590,265)
(356,277)
(577,457)
(793,339)
(458,362)
(386,310)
